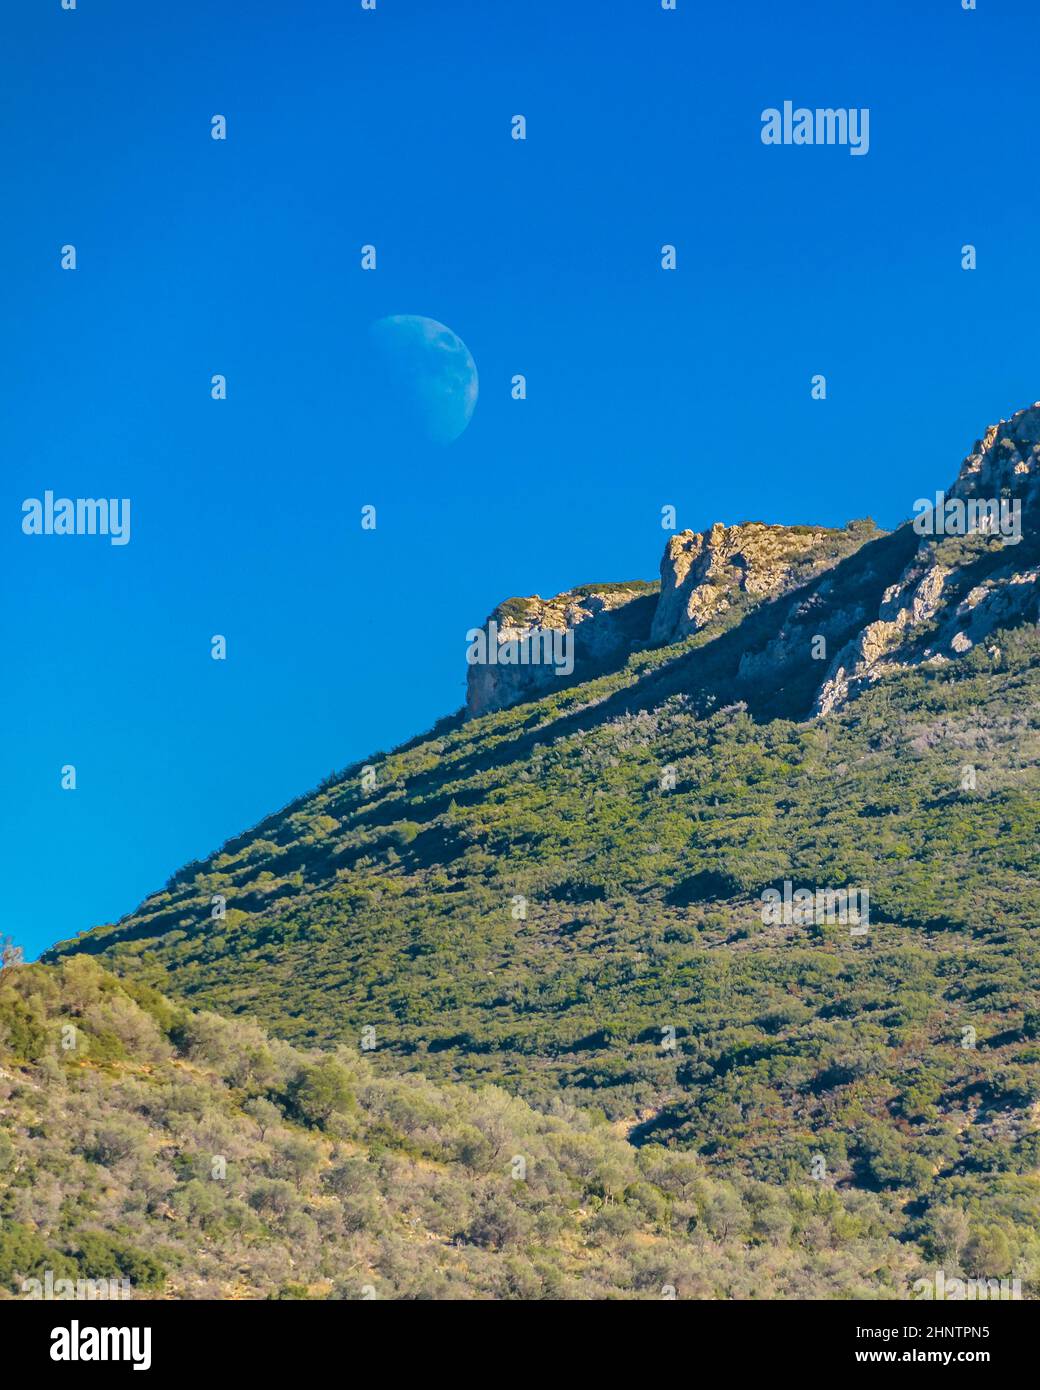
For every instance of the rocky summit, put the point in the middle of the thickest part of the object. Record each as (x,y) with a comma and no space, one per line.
(973,569)
(846,606)
(707,579)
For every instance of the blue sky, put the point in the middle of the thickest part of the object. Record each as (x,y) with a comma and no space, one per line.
(645,387)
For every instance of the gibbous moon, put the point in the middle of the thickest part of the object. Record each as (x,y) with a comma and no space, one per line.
(429,373)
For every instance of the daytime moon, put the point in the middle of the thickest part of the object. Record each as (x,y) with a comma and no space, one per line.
(429,372)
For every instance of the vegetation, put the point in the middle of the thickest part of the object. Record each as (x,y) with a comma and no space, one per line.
(196,1157)
(562,901)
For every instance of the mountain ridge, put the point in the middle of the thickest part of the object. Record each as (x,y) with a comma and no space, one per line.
(729,570)
(535,896)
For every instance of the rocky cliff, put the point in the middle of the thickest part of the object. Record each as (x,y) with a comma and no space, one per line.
(708,580)
(839,608)
(605,622)
(704,573)
(973,567)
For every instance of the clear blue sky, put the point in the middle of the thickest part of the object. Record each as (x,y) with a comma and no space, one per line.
(645,387)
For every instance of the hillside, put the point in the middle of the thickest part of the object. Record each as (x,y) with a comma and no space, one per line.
(564,897)
(195,1158)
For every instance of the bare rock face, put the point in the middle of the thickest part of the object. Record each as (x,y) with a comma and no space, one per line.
(707,580)
(934,612)
(703,573)
(1006,457)
(597,626)
(855,604)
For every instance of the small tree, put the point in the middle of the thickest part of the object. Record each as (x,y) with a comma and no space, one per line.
(297,1158)
(322,1090)
(950,1232)
(10,954)
(264,1113)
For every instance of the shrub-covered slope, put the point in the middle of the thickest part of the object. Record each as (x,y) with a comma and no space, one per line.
(535,909)
(195,1157)
(564,897)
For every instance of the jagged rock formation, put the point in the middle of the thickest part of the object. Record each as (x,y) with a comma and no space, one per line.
(837,609)
(956,590)
(607,621)
(707,579)
(702,572)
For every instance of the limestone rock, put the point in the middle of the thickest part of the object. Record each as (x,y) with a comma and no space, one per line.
(607,622)
(702,573)
(940,603)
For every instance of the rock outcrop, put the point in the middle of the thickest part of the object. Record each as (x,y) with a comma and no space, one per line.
(708,579)
(838,609)
(602,624)
(704,573)
(974,567)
